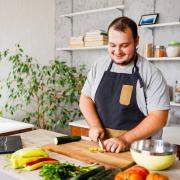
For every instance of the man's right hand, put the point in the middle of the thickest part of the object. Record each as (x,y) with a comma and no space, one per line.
(95,133)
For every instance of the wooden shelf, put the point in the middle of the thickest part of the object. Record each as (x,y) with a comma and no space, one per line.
(120,7)
(161,25)
(82,49)
(172,103)
(164,59)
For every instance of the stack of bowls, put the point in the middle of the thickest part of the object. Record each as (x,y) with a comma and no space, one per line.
(153,154)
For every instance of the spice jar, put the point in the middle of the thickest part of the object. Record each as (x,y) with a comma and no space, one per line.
(148,50)
(159,51)
(177,92)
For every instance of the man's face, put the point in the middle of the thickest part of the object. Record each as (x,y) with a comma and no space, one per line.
(122,46)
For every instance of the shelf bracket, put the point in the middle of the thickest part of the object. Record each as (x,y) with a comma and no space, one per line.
(119,9)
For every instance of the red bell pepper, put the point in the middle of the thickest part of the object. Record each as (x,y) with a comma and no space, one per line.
(40,160)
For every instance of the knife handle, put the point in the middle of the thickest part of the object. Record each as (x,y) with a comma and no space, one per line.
(66,139)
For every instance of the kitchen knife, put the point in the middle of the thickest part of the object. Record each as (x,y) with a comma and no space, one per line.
(101,145)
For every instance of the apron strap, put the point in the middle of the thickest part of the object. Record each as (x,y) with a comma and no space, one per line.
(110,66)
(135,71)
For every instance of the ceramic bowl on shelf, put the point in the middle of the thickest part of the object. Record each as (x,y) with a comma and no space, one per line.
(153,154)
(173,50)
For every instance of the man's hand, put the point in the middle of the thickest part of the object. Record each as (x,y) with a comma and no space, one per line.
(116,144)
(95,133)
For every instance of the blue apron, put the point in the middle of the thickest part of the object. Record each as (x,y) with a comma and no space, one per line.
(114,114)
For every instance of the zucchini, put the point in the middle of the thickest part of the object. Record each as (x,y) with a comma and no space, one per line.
(101,174)
(111,175)
(66,139)
(86,175)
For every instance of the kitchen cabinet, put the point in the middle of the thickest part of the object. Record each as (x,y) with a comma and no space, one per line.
(79,128)
(71,15)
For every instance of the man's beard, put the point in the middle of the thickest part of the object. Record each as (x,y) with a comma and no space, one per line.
(127,61)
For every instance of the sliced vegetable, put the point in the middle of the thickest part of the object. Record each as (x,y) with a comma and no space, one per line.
(38,165)
(96,149)
(40,160)
(22,156)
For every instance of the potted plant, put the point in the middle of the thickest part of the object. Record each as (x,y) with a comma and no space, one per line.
(48,95)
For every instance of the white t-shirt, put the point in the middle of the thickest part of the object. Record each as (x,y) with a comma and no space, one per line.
(155,86)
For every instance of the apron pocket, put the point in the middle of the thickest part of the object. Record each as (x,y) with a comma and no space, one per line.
(126,94)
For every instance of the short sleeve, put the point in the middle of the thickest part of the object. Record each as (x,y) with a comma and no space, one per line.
(157,93)
(87,88)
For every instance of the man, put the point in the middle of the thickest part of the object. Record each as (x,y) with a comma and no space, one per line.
(125,98)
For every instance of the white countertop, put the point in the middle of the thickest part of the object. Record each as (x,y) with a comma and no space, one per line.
(80,123)
(8,125)
(34,139)
(42,137)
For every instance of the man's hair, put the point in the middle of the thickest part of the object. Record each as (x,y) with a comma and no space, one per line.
(122,23)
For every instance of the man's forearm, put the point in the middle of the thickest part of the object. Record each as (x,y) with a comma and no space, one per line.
(151,124)
(88,109)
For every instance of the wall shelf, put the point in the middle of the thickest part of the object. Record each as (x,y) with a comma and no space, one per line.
(120,7)
(82,49)
(172,103)
(164,59)
(161,25)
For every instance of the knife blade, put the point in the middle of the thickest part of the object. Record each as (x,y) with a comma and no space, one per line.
(101,145)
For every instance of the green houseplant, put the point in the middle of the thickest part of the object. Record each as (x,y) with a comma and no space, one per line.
(51,92)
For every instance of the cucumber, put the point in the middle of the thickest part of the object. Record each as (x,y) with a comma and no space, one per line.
(111,175)
(66,139)
(101,174)
(86,175)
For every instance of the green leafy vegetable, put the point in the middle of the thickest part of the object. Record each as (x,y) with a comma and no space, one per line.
(62,171)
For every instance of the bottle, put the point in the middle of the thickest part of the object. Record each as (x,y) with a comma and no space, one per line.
(177,92)
(159,51)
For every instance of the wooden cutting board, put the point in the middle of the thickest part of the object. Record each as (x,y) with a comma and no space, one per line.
(79,150)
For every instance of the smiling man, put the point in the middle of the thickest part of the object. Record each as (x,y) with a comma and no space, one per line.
(125,98)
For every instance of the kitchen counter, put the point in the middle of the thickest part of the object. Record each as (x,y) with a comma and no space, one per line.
(42,137)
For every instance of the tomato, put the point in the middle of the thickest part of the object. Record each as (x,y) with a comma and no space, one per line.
(126,175)
(122,175)
(136,177)
(156,176)
(140,170)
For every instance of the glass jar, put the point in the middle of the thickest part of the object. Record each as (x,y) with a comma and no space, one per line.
(159,51)
(177,92)
(148,50)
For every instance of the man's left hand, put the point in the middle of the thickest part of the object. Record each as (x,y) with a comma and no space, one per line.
(116,145)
